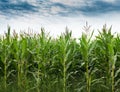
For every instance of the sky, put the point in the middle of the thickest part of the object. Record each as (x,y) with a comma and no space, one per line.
(55,15)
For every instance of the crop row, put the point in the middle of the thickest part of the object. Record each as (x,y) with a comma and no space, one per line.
(40,63)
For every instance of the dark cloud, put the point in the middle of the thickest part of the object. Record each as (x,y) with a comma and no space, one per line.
(11,9)
(96,7)
(92,8)
(100,7)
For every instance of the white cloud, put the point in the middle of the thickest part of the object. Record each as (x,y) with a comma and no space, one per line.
(31,2)
(14,1)
(56,9)
(56,25)
(70,2)
(110,1)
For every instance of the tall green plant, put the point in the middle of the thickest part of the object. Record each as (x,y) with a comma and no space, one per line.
(86,48)
(5,46)
(39,63)
(106,42)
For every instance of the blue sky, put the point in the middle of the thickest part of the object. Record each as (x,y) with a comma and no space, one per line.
(55,15)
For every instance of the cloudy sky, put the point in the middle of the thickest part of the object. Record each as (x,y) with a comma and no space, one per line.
(56,15)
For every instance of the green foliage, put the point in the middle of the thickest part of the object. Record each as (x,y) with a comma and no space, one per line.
(40,63)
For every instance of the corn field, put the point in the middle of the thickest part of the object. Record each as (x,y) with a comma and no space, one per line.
(40,63)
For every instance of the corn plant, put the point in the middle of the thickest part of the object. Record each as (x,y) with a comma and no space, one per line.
(86,49)
(64,53)
(40,63)
(6,44)
(106,43)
